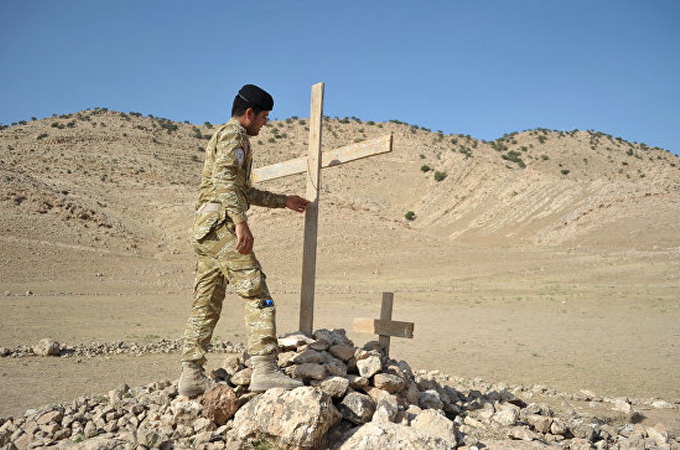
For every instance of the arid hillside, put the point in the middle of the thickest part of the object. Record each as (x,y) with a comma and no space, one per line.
(124,182)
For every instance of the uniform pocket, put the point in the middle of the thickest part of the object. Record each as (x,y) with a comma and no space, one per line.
(203,224)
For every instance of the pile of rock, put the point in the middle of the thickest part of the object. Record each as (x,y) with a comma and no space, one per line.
(48,347)
(352,398)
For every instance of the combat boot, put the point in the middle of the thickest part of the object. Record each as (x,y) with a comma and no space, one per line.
(266,375)
(193,381)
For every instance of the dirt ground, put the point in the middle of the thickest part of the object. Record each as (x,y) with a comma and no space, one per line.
(618,340)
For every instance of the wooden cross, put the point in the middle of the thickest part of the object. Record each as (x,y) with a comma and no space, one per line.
(385,326)
(312,165)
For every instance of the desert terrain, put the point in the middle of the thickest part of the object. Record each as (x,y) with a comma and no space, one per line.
(542,258)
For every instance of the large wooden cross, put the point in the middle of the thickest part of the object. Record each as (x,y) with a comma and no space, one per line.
(311,165)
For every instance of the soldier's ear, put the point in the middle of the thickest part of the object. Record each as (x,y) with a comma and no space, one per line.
(250,114)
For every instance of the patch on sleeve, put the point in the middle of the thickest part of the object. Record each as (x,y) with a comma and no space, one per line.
(240,155)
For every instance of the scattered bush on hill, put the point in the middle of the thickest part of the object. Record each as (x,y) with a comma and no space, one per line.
(515,157)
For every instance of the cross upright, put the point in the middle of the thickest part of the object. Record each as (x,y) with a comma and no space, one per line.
(312,165)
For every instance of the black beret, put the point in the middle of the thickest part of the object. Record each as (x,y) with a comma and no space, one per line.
(256,97)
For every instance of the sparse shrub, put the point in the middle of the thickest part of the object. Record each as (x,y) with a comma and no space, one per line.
(515,157)
(565,171)
(207,124)
(425,168)
(545,157)
(439,176)
(410,216)
(542,139)
(42,136)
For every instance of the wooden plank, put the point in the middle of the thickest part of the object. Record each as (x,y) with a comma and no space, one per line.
(392,328)
(386,316)
(342,155)
(312,212)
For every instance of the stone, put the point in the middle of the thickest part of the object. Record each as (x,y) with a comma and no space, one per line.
(309,371)
(220,404)
(506,417)
(232,363)
(413,393)
(242,377)
(47,347)
(292,341)
(333,337)
(285,359)
(389,435)
(320,345)
(539,423)
(369,366)
(661,404)
(357,381)
(335,386)
(335,367)
(357,408)
(149,438)
(584,431)
(388,382)
(659,434)
(430,400)
(558,427)
(203,424)
(309,357)
(185,412)
(623,406)
(522,433)
(342,352)
(297,418)
(51,416)
(436,424)
(583,444)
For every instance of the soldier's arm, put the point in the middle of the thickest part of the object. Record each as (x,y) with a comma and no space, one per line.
(225,170)
(265,198)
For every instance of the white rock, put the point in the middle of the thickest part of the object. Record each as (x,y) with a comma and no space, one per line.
(391,436)
(437,424)
(297,418)
(369,366)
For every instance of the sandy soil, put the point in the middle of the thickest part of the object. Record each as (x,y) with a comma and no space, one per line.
(615,340)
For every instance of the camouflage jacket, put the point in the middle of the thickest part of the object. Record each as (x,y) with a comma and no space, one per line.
(226,175)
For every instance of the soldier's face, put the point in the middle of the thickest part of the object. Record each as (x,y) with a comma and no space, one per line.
(256,121)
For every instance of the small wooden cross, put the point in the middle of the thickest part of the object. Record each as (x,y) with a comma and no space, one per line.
(385,326)
(312,165)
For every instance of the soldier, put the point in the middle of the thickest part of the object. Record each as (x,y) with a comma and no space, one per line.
(223,244)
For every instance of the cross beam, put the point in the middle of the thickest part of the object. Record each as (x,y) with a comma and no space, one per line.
(312,165)
(384,327)
(329,158)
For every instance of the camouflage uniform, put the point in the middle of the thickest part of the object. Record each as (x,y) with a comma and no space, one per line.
(226,194)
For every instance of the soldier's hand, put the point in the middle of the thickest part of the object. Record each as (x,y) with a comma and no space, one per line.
(297,203)
(244,238)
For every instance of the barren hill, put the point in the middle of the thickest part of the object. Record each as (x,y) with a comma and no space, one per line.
(120,181)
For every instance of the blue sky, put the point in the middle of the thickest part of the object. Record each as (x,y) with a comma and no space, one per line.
(483,68)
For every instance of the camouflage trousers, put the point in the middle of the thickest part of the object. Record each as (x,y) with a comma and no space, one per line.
(220,264)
